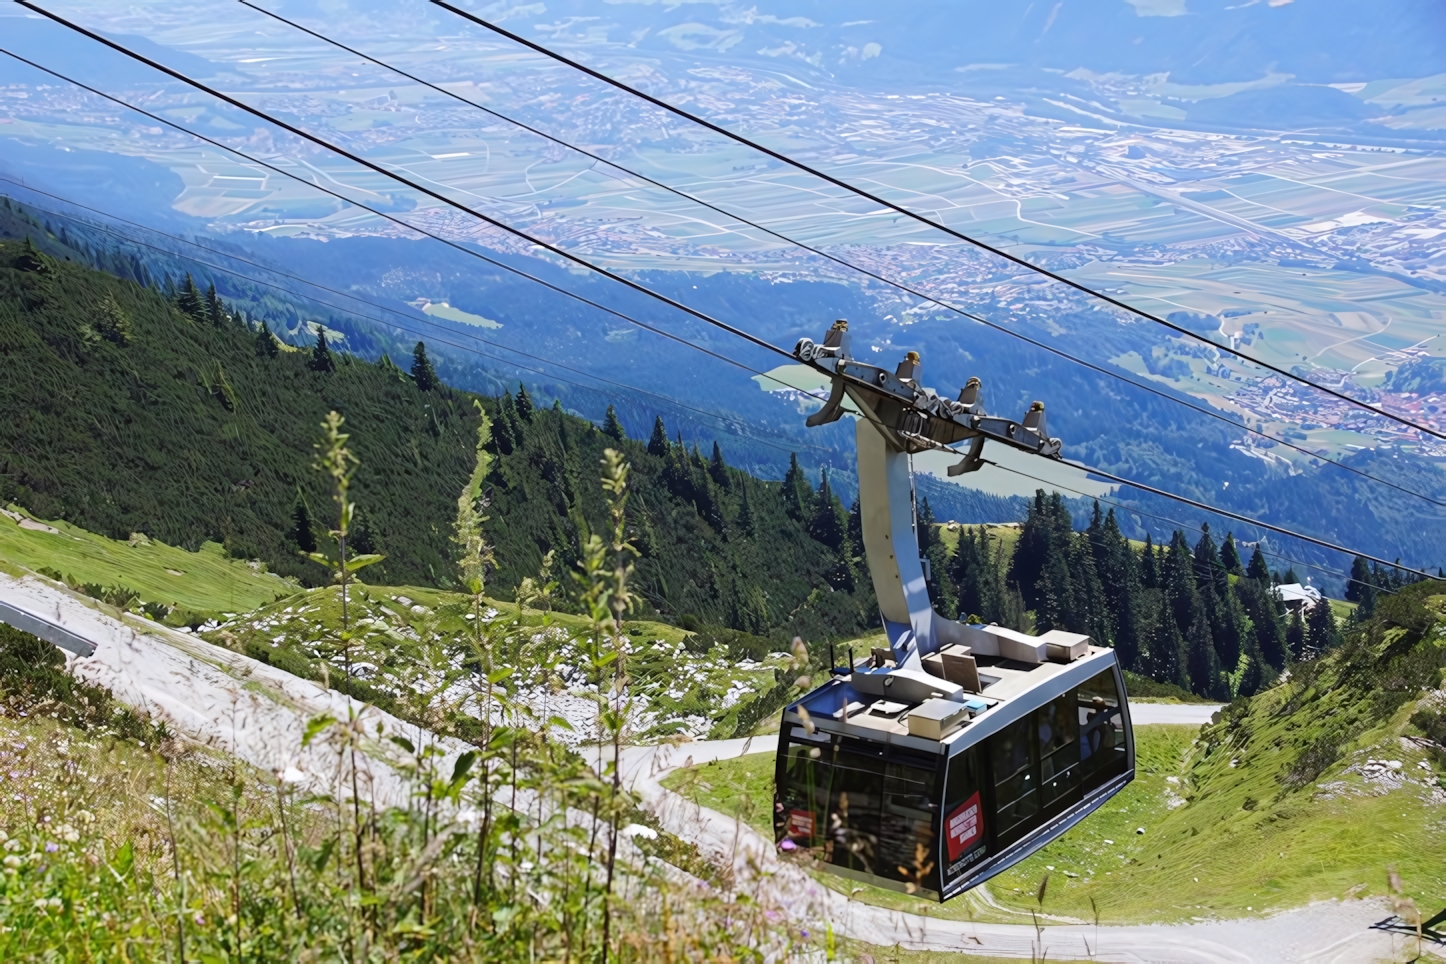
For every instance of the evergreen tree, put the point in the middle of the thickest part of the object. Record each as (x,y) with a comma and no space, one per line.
(266,346)
(1321,633)
(1257,569)
(302,532)
(613,428)
(215,311)
(1230,556)
(422,371)
(1295,638)
(1149,570)
(524,403)
(505,430)
(745,512)
(1361,587)
(321,359)
(658,444)
(1204,664)
(797,491)
(189,300)
(829,523)
(717,468)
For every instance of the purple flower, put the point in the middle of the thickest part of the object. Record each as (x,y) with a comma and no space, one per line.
(51,846)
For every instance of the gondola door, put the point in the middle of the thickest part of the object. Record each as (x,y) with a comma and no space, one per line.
(965,829)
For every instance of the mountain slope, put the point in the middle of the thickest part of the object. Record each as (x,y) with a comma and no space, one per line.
(131,410)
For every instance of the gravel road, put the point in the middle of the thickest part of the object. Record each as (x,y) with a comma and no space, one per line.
(242,706)
(1332,932)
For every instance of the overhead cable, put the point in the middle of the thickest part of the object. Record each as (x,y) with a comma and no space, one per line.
(422,189)
(1135,510)
(677,192)
(1244,518)
(608,274)
(398,221)
(724,419)
(913,215)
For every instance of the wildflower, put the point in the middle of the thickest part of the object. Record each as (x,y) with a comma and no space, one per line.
(85,816)
(68,833)
(51,846)
(13,862)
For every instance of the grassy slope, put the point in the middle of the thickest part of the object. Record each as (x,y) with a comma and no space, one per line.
(1333,838)
(394,624)
(205,581)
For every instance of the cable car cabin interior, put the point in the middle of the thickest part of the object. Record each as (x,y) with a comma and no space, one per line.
(933,781)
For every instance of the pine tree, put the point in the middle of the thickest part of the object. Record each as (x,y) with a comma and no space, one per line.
(321,359)
(717,468)
(266,346)
(505,431)
(1321,633)
(1295,638)
(829,523)
(524,403)
(1361,587)
(189,300)
(658,444)
(422,372)
(1230,556)
(1149,570)
(745,512)
(302,532)
(1257,569)
(612,427)
(215,311)
(797,491)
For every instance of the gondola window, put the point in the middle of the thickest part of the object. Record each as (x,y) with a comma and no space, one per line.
(1102,744)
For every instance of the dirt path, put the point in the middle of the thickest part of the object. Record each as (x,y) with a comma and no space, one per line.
(208,694)
(241,706)
(1326,933)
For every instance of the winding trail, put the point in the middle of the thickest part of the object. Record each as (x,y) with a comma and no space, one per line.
(239,705)
(1331,932)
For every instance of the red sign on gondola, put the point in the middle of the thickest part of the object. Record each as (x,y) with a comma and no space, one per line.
(964,826)
(800,824)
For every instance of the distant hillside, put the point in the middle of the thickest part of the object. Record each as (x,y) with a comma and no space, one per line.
(132,409)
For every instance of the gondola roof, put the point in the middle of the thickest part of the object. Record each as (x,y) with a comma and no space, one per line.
(909,713)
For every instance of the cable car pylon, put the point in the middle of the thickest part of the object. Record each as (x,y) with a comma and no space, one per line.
(933,764)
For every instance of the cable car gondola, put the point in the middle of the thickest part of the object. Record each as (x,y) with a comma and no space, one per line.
(933,764)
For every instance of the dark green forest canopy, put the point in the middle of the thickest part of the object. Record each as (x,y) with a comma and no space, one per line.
(180,428)
(125,408)
(130,409)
